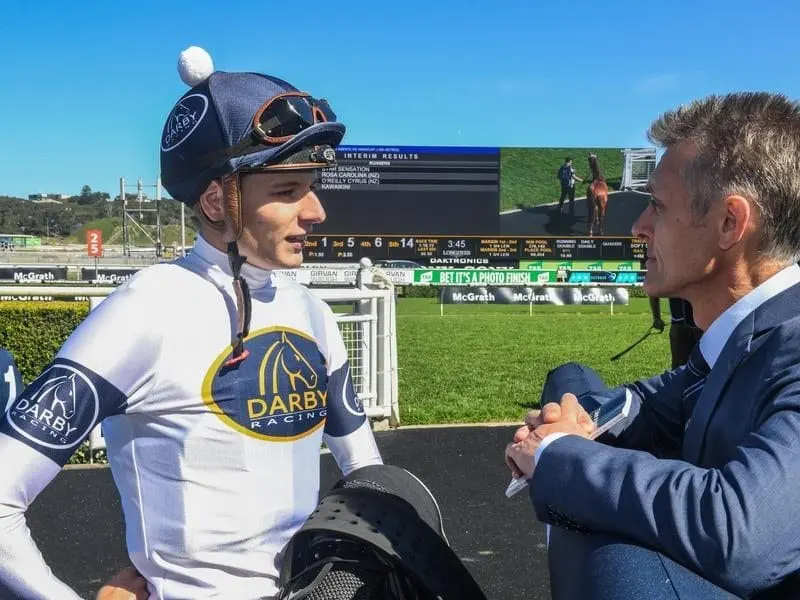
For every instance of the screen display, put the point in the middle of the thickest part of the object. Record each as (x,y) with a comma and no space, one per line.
(475,205)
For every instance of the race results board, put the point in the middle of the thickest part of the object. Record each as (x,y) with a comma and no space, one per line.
(408,190)
(470,249)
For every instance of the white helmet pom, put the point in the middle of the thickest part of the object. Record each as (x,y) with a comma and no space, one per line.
(194,65)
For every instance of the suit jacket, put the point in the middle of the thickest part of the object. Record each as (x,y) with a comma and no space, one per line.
(716,487)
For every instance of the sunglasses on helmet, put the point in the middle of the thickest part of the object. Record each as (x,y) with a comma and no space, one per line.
(277,121)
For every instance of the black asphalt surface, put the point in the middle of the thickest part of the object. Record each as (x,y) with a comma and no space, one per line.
(77,520)
(621,212)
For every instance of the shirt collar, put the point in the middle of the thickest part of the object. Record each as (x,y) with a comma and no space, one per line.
(716,336)
(218,261)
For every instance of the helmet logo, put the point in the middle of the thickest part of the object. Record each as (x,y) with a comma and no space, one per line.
(327,155)
(183,120)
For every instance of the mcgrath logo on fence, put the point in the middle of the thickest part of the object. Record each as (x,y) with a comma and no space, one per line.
(44,298)
(279,393)
(33,274)
(58,410)
(471,296)
(533,295)
(106,275)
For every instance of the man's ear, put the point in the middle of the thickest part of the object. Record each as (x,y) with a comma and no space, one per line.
(212,202)
(737,219)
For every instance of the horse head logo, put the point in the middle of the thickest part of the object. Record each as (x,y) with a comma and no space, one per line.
(59,393)
(284,359)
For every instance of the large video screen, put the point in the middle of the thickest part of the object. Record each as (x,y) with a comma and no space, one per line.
(472,206)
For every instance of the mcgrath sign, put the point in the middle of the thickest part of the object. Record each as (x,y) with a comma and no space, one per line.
(33,274)
(534,295)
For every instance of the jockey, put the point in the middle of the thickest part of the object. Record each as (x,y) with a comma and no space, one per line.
(216,379)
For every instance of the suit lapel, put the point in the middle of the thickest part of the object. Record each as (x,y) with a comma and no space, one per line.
(733,353)
(769,315)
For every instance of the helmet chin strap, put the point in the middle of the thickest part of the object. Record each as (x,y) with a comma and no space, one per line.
(232,196)
(243,306)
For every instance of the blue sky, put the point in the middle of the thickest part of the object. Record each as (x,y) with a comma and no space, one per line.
(87,84)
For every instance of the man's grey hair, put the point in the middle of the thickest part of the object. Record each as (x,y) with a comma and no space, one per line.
(747,144)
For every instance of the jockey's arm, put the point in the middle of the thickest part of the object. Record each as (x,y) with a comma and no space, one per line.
(23,571)
(348,433)
(105,364)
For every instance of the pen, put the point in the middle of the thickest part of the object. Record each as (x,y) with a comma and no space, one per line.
(515,486)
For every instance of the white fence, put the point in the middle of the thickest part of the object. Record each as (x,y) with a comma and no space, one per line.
(366,318)
(638,165)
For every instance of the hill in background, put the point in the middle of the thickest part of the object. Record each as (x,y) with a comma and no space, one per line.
(67,222)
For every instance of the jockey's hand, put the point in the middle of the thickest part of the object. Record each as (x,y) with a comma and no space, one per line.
(658,324)
(128,584)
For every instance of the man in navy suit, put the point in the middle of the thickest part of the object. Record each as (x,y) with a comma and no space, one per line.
(696,494)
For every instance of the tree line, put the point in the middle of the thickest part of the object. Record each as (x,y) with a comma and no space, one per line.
(48,219)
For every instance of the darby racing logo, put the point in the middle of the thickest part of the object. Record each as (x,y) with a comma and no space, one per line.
(183,120)
(279,393)
(58,410)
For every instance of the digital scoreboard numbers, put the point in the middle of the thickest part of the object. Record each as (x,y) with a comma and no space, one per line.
(498,247)
(483,249)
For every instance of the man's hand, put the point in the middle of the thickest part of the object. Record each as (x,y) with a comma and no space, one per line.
(568,417)
(128,584)
(658,324)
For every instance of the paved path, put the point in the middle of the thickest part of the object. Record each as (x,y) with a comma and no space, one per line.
(78,525)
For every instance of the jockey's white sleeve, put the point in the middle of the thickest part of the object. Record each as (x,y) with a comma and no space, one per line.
(47,422)
(23,571)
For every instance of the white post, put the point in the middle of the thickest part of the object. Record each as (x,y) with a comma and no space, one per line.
(441,303)
(612,304)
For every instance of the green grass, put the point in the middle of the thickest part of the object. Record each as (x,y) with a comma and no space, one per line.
(528,175)
(481,363)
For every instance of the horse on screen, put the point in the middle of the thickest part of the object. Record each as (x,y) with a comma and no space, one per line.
(596,196)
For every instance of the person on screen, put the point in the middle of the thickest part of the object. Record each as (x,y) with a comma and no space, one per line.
(693,495)
(215,378)
(567,177)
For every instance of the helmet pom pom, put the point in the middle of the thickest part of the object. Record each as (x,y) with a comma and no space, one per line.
(194,65)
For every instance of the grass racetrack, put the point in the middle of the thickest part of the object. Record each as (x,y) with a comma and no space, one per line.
(481,363)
